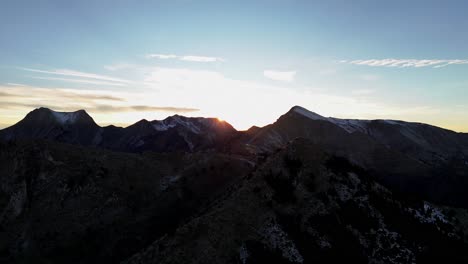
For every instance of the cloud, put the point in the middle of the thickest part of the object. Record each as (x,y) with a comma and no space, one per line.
(191,58)
(79,74)
(40,93)
(79,81)
(162,56)
(16,101)
(200,59)
(119,66)
(143,108)
(284,76)
(16,84)
(405,63)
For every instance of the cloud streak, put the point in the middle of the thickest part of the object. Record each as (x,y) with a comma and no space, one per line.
(406,63)
(143,108)
(284,76)
(24,99)
(73,73)
(79,81)
(191,58)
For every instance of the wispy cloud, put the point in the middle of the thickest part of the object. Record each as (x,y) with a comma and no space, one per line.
(119,66)
(200,59)
(73,73)
(143,108)
(79,81)
(406,63)
(16,101)
(40,93)
(284,76)
(162,56)
(191,58)
(16,84)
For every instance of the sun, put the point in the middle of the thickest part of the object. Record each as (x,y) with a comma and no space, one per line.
(220,120)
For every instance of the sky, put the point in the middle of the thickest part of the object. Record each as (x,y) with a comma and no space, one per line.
(246,62)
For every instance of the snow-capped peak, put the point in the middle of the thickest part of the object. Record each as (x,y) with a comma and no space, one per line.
(173,121)
(350,125)
(308,114)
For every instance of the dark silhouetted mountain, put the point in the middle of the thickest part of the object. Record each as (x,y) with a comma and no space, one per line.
(305,189)
(175,133)
(69,127)
(425,143)
(412,157)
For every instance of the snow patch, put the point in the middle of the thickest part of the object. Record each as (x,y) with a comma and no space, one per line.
(351,125)
(243,254)
(168,181)
(65,117)
(177,121)
(429,214)
(161,126)
(308,114)
(278,239)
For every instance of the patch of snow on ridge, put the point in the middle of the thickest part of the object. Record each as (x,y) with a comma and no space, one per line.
(161,126)
(189,125)
(65,117)
(350,125)
(177,121)
(309,114)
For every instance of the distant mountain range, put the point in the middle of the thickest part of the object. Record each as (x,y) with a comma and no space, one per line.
(173,133)
(304,189)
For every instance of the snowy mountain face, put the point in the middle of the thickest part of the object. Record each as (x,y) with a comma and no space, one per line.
(66,118)
(194,125)
(403,136)
(350,125)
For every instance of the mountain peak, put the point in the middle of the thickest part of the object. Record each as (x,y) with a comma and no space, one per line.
(63,118)
(304,112)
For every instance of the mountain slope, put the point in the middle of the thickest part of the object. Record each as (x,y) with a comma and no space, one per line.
(306,206)
(61,203)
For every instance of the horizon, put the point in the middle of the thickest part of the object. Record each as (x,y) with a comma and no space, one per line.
(245,63)
(124,125)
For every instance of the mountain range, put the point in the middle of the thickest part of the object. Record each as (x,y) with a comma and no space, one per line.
(304,189)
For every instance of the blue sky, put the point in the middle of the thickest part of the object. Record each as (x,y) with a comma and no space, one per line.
(243,61)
